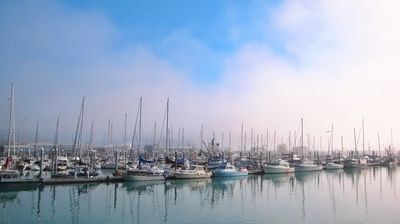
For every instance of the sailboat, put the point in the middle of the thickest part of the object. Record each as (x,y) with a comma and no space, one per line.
(306,165)
(6,170)
(278,166)
(330,164)
(354,162)
(145,173)
(193,172)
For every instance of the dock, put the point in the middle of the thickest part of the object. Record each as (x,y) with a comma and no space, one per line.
(61,180)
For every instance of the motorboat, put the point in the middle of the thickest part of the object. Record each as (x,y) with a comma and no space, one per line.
(230,170)
(278,166)
(306,165)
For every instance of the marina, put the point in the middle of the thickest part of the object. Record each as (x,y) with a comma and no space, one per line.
(199,112)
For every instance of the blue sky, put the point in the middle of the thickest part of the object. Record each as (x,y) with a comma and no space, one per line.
(266,63)
(172,28)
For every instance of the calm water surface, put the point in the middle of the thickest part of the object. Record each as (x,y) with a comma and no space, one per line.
(346,196)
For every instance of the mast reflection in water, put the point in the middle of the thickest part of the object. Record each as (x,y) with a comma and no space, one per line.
(342,196)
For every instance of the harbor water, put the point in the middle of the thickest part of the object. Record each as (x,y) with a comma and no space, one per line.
(369,195)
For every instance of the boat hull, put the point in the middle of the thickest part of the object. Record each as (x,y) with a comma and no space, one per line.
(277,170)
(307,168)
(147,177)
(192,176)
(334,166)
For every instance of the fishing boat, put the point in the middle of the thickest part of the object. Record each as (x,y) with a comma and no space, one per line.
(150,174)
(215,163)
(306,166)
(230,170)
(278,166)
(194,172)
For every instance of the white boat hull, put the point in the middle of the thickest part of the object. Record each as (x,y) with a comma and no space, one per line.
(147,177)
(307,168)
(277,169)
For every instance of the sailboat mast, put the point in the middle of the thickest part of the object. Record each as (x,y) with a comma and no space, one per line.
(54,155)
(245,139)
(108,135)
(154,135)
(222,142)
(90,153)
(183,137)
(241,138)
(13,119)
(10,124)
(274,141)
(363,144)
(251,139)
(290,141)
(379,144)
(36,139)
(77,131)
(80,129)
(125,126)
(201,137)
(140,124)
(166,130)
(230,143)
(332,140)
(355,141)
(302,140)
(91,136)
(341,140)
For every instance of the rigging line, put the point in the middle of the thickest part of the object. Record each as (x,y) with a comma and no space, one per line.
(134,131)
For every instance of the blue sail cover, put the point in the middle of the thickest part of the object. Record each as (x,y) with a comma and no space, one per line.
(142,160)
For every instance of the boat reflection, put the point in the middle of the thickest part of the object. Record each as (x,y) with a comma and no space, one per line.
(278,179)
(308,176)
(9,193)
(142,186)
(311,197)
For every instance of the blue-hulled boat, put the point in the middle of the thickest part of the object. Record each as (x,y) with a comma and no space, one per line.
(230,170)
